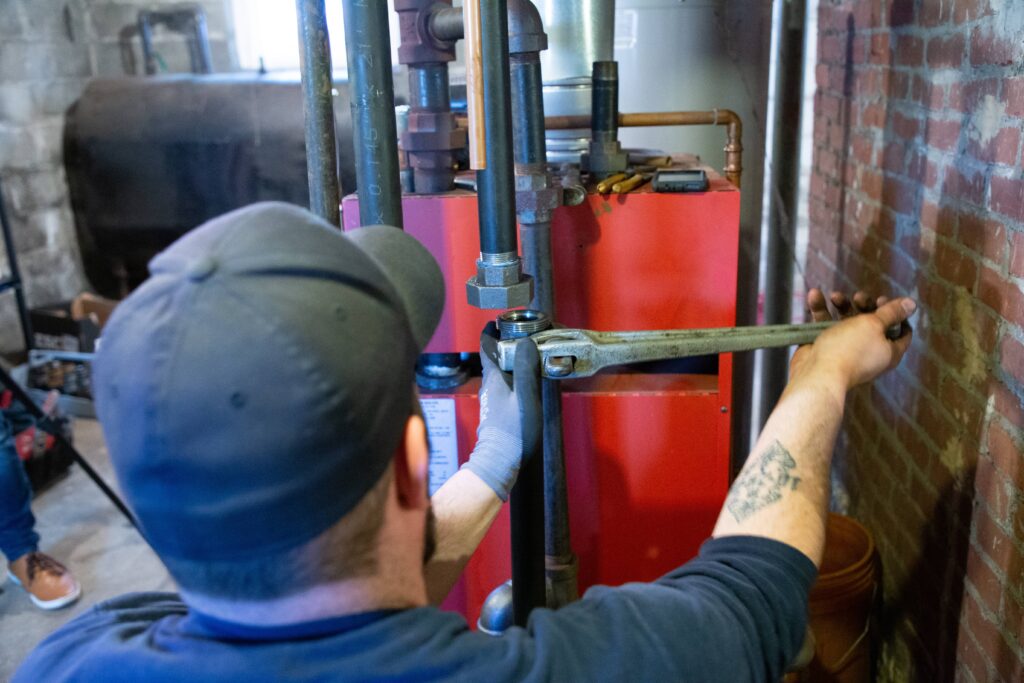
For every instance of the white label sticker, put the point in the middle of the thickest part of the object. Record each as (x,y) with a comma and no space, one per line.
(439,414)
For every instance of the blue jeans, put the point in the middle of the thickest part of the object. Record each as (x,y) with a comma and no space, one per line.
(17,533)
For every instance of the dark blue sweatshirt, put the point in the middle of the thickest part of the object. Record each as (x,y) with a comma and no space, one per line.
(737,612)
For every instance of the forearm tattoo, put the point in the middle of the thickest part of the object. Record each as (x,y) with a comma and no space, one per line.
(763,483)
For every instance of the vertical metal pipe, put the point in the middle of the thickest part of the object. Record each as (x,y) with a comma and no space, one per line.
(535,215)
(318,103)
(368,45)
(495,184)
(604,124)
(526,500)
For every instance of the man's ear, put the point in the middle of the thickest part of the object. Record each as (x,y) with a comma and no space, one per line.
(411,465)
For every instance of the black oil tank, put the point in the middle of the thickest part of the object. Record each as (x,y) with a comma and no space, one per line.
(148,159)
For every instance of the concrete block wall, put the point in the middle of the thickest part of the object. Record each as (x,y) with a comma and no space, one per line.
(48,51)
(918,189)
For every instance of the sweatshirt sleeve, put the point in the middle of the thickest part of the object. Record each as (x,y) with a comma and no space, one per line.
(737,612)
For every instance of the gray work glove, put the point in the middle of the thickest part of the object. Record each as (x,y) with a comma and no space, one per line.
(498,453)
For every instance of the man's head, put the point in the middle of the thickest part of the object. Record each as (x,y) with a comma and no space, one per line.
(256,395)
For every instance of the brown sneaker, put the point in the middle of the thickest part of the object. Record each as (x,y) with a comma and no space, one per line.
(49,584)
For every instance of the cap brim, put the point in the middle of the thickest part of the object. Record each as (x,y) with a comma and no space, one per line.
(412,271)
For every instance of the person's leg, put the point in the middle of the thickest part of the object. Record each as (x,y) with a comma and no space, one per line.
(49,584)
(17,525)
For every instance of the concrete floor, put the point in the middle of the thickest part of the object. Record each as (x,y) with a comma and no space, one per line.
(79,527)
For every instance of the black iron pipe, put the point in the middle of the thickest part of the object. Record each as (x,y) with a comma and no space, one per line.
(535,227)
(526,516)
(605,103)
(368,45)
(528,104)
(318,103)
(495,184)
(445,24)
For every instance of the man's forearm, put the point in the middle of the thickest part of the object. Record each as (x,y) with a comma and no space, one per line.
(783,490)
(464,509)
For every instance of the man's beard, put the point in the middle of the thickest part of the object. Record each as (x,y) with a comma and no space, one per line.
(429,536)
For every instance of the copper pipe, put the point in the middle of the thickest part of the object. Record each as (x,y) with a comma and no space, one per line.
(717,117)
(474,85)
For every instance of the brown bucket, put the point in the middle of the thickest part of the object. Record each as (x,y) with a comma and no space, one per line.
(840,605)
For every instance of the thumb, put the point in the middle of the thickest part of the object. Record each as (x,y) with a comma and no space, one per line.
(896,311)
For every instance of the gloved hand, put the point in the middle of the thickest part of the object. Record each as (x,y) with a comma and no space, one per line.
(498,453)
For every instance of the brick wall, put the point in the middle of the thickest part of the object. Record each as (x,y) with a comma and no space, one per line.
(48,51)
(917,189)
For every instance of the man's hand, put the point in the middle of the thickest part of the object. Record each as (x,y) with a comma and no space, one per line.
(499,447)
(856,350)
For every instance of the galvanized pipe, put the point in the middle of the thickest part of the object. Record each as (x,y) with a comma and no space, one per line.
(368,45)
(446,24)
(318,103)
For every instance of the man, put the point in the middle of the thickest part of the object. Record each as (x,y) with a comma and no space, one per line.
(47,582)
(257,398)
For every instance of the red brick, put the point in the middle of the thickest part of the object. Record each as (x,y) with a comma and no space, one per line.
(985,582)
(1005,452)
(1017,254)
(992,540)
(968,186)
(899,196)
(988,48)
(992,487)
(880,51)
(946,51)
(955,267)
(905,126)
(901,12)
(965,96)
(964,405)
(909,51)
(1008,405)
(1001,149)
(1013,91)
(1008,196)
(968,10)
(1001,295)
(899,85)
(1011,354)
(871,183)
(872,115)
(971,658)
(942,134)
(935,12)
(929,215)
(985,236)
(894,157)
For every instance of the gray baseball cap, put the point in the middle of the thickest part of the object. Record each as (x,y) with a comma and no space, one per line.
(256,386)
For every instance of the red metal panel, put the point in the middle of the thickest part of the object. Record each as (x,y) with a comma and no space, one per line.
(648,463)
(647,455)
(624,262)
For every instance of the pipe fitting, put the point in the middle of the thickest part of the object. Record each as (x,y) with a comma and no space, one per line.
(525,28)
(499,285)
(537,197)
(419,45)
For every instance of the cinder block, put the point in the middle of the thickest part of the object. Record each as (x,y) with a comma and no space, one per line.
(39,61)
(51,275)
(33,191)
(107,19)
(16,105)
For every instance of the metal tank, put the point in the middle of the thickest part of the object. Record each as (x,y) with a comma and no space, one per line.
(580,32)
(148,159)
